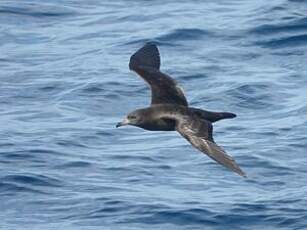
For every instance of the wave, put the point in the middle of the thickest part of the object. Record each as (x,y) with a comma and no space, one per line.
(183,35)
(298,25)
(253,96)
(284,42)
(36,10)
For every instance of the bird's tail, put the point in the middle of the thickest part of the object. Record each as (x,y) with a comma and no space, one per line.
(212,116)
(226,115)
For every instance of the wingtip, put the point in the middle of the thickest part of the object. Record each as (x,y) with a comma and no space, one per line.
(151,43)
(148,56)
(243,174)
(240,172)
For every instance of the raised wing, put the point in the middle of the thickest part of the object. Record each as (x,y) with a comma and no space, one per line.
(164,90)
(199,133)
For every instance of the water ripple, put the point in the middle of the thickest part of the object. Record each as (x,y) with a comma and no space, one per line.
(289,41)
(183,35)
(65,83)
(36,10)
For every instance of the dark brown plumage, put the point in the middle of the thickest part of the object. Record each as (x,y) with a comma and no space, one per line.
(169,109)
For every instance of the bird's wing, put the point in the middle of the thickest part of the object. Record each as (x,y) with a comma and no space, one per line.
(199,133)
(164,90)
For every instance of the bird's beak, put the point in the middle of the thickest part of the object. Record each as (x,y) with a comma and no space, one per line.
(122,123)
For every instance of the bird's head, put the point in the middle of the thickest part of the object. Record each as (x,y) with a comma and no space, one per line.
(134,118)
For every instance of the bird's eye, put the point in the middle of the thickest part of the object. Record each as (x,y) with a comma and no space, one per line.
(131,117)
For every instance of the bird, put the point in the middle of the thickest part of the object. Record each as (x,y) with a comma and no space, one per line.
(169,109)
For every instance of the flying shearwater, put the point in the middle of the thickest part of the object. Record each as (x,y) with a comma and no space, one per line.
(169,110)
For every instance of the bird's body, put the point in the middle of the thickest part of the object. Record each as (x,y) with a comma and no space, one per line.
(164,124)
(169,109)
(153,121)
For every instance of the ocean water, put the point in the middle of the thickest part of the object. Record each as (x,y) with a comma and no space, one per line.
(65,83)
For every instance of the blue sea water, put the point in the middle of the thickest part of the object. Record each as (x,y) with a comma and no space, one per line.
(65,83)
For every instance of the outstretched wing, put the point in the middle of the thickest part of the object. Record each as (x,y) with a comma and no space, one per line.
(199,133)
(164,90)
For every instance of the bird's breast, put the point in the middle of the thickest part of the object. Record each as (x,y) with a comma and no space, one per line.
(159,125)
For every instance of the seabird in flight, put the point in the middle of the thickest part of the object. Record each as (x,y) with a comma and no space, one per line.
(169,109)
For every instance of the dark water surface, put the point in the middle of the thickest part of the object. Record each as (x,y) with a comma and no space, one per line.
(65,83)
